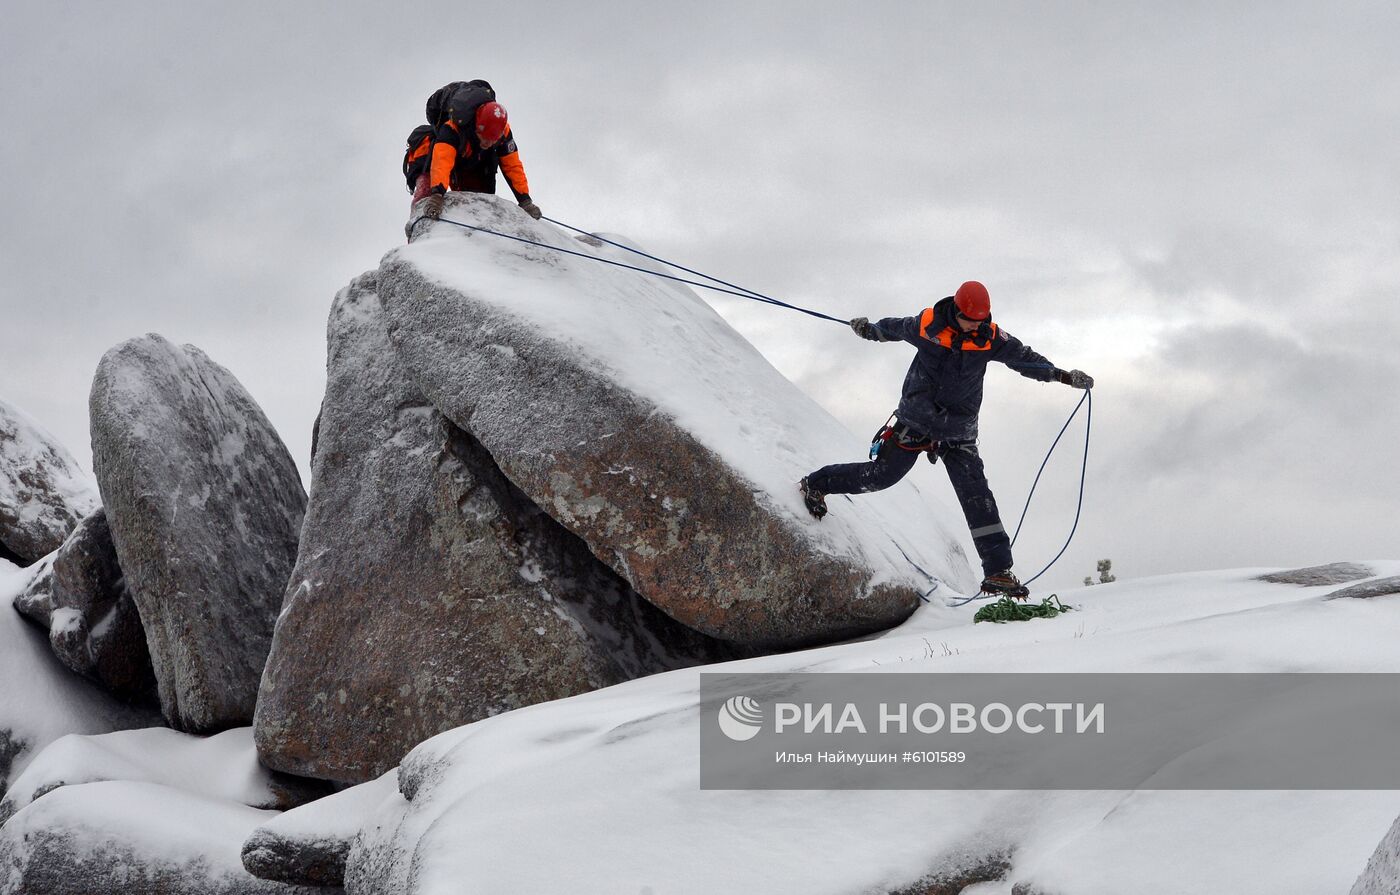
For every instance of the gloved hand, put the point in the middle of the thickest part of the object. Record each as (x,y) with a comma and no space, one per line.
(530,208)
(427,208)
(862,328)
(430,206)
(1075,378)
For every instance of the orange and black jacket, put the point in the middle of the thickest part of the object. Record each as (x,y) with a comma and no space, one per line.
(943,388)
(459,163)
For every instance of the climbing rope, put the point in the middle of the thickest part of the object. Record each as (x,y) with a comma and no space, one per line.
(1086,401)
(728,288)
(1008,610)
(736,291)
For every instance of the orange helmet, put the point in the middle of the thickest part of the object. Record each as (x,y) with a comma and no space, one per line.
(973,301)
(490,123)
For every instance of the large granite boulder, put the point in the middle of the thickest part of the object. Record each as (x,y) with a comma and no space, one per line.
(429,592)
(204,504)
(83,602)
(43,492)
(631,412)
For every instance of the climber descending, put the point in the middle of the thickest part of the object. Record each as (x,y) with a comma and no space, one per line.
(937,415)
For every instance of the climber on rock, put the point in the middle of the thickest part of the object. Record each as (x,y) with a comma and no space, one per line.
(937,415)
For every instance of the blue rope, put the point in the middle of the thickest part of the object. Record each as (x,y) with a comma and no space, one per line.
(728,288)
(918,568)
(1043,463)
(744,289)
(1079,504)
(751,296)
(1087,401)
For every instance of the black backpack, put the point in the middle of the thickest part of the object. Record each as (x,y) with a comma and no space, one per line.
(412,169)
(457,101)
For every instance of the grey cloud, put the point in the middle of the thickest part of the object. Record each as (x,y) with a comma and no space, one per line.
(215,172)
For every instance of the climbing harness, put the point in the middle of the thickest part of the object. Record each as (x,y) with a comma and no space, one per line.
(886,432)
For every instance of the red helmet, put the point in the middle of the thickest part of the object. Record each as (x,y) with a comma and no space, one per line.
(973,301)
(490,122)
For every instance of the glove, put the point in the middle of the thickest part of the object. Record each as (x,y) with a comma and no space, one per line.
(431,207)
(428,208)
(862,328)
(1075,378)
(530,208)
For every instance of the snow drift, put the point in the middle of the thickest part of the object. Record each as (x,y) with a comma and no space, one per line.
(40,699)
(610,779)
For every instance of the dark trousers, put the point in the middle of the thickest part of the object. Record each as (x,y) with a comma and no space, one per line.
(965,471)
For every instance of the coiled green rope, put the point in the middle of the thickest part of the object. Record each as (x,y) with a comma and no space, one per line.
(1009,610)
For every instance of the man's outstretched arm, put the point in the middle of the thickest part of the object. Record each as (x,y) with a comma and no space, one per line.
(890,329)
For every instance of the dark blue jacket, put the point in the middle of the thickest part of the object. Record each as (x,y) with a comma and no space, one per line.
(943,388)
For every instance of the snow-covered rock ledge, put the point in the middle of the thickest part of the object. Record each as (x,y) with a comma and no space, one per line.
(143,811)
(610,780)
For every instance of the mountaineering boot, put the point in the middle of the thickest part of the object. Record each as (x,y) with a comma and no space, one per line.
(814,499)
(1005,584)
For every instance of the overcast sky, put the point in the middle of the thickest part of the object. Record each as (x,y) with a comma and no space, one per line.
(1197,203)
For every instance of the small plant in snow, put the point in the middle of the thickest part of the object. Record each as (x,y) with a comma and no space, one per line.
(1106,575)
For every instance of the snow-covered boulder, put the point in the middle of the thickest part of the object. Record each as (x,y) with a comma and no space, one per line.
(40,700)
(132,838)
(43,492)
(1362,580)
(1375,587)
(204,504)
(429,592)
(1382,873)
(223,767)
(94,627)
(629,410)
(1316,576)
(610,779)
(308,845)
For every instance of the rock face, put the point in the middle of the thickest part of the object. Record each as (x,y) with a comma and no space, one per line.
(1315,576)
(576,381)
(204,505)
(1382,873)
(1381,587)
(309,862)
(956,872)
(92,621)
(429,592)
(43,492)
(308,845)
